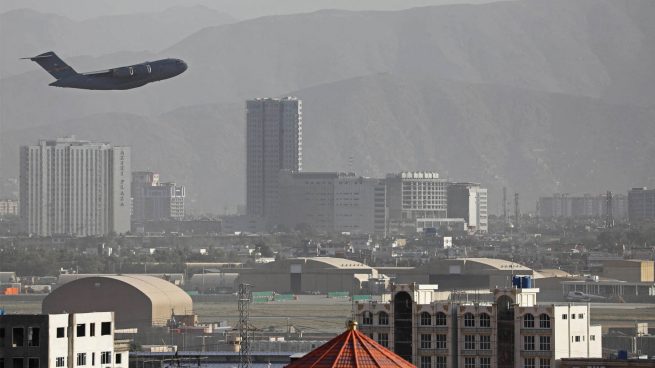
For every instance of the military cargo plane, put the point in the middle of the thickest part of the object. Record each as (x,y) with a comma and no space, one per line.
(126,77)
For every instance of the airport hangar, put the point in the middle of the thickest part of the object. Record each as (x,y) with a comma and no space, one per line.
(137,300)
(307,275)
(482,274)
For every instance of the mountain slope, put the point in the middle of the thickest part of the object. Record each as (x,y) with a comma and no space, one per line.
(532,142)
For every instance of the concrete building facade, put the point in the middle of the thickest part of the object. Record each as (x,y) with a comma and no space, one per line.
(513,331)
(332,202)
(415,195)
(469,201)
(273,143)
(641,204)
(73,187)
(563,205)
(8,207)
(60,340)
(153,200)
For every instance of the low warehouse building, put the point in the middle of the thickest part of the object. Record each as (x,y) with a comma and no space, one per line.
(312,274)
(136,300)
(460,273)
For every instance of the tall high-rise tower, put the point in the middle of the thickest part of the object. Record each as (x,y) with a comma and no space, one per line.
(274,143)
(73,187)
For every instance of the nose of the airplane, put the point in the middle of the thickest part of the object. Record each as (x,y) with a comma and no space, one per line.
(183,65)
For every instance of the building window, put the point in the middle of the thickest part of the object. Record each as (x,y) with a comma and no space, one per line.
(426,319)
(92,329)
(81,330)
(485,320)
(544,363)
(528,321)
(528,342)
(440,361)
(61,332)
(426,341)
(60,362)
(33,336)
(440,341)
(367,318)
(563,316)
(105,328)
(577,339)
(19,363)
(105,357)
(469,342)
(81,359)
(33,363)
(485,342)
(485,362)
(440,319)
(529,363)
(17,337)
(544,343)
(469,320)
(592,337)
(2,337)
(426,362)
(581,316)
(383,339)
(544,321)
(572,315)
(118,359)
(469,362)
(383,318)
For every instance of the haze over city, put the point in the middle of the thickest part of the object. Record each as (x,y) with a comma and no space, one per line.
(257,173)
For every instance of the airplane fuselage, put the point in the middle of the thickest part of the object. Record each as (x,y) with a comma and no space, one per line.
(126,77)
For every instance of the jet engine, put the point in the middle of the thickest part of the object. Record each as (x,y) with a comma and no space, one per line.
(132,71)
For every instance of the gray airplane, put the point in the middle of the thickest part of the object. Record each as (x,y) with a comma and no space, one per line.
(125,77)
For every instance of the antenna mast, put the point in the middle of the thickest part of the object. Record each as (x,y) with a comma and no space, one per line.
(245,296)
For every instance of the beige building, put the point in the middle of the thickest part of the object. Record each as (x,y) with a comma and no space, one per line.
(631,270)
(136,300)
(73,187)
(512,331)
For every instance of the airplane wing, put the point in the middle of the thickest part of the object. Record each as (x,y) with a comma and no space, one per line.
(98,73)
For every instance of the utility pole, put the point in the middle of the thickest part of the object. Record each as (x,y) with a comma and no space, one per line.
(245,297)
(505,206)
(609,215)
(517,214)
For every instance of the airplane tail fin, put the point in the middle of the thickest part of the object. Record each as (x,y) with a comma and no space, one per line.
(53,65)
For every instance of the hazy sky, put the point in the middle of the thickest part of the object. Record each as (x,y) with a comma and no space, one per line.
(242,9)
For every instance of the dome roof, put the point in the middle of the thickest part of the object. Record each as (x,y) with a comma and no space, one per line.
(350,349)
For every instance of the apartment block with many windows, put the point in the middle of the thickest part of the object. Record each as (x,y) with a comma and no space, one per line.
(512,331)
(60,340)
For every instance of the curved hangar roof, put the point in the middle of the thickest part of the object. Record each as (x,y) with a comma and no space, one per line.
(137,300)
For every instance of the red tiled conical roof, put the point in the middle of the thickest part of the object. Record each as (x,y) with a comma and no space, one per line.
(350,349)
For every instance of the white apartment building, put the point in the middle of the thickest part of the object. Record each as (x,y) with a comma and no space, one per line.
(72,187)
(513,331)
(469,201)
(415,195)
(60,340)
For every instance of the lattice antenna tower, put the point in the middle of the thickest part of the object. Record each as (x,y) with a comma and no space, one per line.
(245,297)
(609,219)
